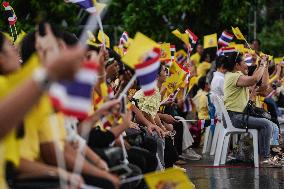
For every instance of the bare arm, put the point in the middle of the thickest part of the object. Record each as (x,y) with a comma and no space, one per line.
(247,81)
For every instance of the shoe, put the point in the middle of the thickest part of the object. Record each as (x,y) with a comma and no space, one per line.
(271,163)
(190,154)
(180,162)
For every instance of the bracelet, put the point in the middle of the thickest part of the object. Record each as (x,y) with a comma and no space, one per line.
(40,77)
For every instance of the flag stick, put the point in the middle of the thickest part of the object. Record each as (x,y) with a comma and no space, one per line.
(91,25)
(124,152)
(101,28)
(132,179)
(127,87)
(58,153)
(12,33)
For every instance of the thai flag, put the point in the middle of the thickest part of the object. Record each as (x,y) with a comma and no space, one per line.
(202,123)
(225,50)
(225,39)
(75,97)
(173,50)
(181,59)
(123,39)
(173,96)
(9,11)
(248,59)
(187,105)
(88,5)
(147,72)
(192,36)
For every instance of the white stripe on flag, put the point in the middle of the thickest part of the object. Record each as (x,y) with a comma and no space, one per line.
(149,86)
(86,76)
(148,69)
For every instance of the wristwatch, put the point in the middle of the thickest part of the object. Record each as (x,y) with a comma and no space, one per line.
(40,76)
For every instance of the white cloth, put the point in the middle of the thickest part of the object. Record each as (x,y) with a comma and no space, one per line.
(217,84)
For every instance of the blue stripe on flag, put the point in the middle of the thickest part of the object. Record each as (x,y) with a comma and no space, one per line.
(76,88)
(148,78)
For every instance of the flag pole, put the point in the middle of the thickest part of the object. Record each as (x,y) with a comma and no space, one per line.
(127,87)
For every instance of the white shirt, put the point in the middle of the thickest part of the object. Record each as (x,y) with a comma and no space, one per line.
(217,84)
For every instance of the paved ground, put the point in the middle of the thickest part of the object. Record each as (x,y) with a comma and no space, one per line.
(233,176)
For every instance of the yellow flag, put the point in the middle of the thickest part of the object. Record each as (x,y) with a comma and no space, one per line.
(173,82)
(176,69)
(182,36)
(118,50)
(239,47)
(250,51)
(210,41)
(140,45)
(165,51)
(106,38)
(277,60)
(237,32)
(171,178)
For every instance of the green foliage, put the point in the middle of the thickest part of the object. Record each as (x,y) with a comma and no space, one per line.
(30,12)
(272,38)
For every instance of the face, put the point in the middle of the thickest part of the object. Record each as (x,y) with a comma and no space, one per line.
(9,58)
(163,75)
(199,49)
(242,66)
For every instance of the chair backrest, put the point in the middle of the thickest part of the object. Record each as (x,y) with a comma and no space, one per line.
(222,110)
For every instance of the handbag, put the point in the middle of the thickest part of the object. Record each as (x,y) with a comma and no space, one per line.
(252,110)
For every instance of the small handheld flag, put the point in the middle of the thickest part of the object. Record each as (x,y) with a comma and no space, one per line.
(192,36)
(147,71)
(248,59)
(237,32)
(210,41)
(123,39)
(74,97)
(88,5)
(225,38)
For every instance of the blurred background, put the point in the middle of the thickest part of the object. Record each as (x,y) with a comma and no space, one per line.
(262,19)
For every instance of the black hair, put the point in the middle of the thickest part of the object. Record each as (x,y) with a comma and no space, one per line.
(69,38)
(1,41)
(219,61)
(28,43)
(202,83)
(231,59)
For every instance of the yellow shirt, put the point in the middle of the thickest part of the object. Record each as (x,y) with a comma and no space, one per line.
(201,102)
(195,58)
(39,129)
(203,68)
(235,98)
(10,144)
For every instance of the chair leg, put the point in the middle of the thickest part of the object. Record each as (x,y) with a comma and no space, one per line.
(215,139)
(255,148)
(206,137)
(219,147)
(225,149)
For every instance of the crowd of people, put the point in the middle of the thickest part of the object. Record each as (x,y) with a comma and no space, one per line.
(146,133)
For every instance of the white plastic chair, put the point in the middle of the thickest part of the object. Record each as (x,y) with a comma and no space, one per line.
(224,137)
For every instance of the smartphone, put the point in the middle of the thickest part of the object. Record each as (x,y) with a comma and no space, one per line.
(123,104)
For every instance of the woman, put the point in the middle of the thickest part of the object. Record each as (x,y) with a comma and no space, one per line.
(236,96)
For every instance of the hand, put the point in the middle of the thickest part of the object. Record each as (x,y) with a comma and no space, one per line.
(107,107)
(70,178)
(134,126)
(47,46)
(169,119)
(159,131)
(102,165)
(127,117)
(114,179)
(66,65)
